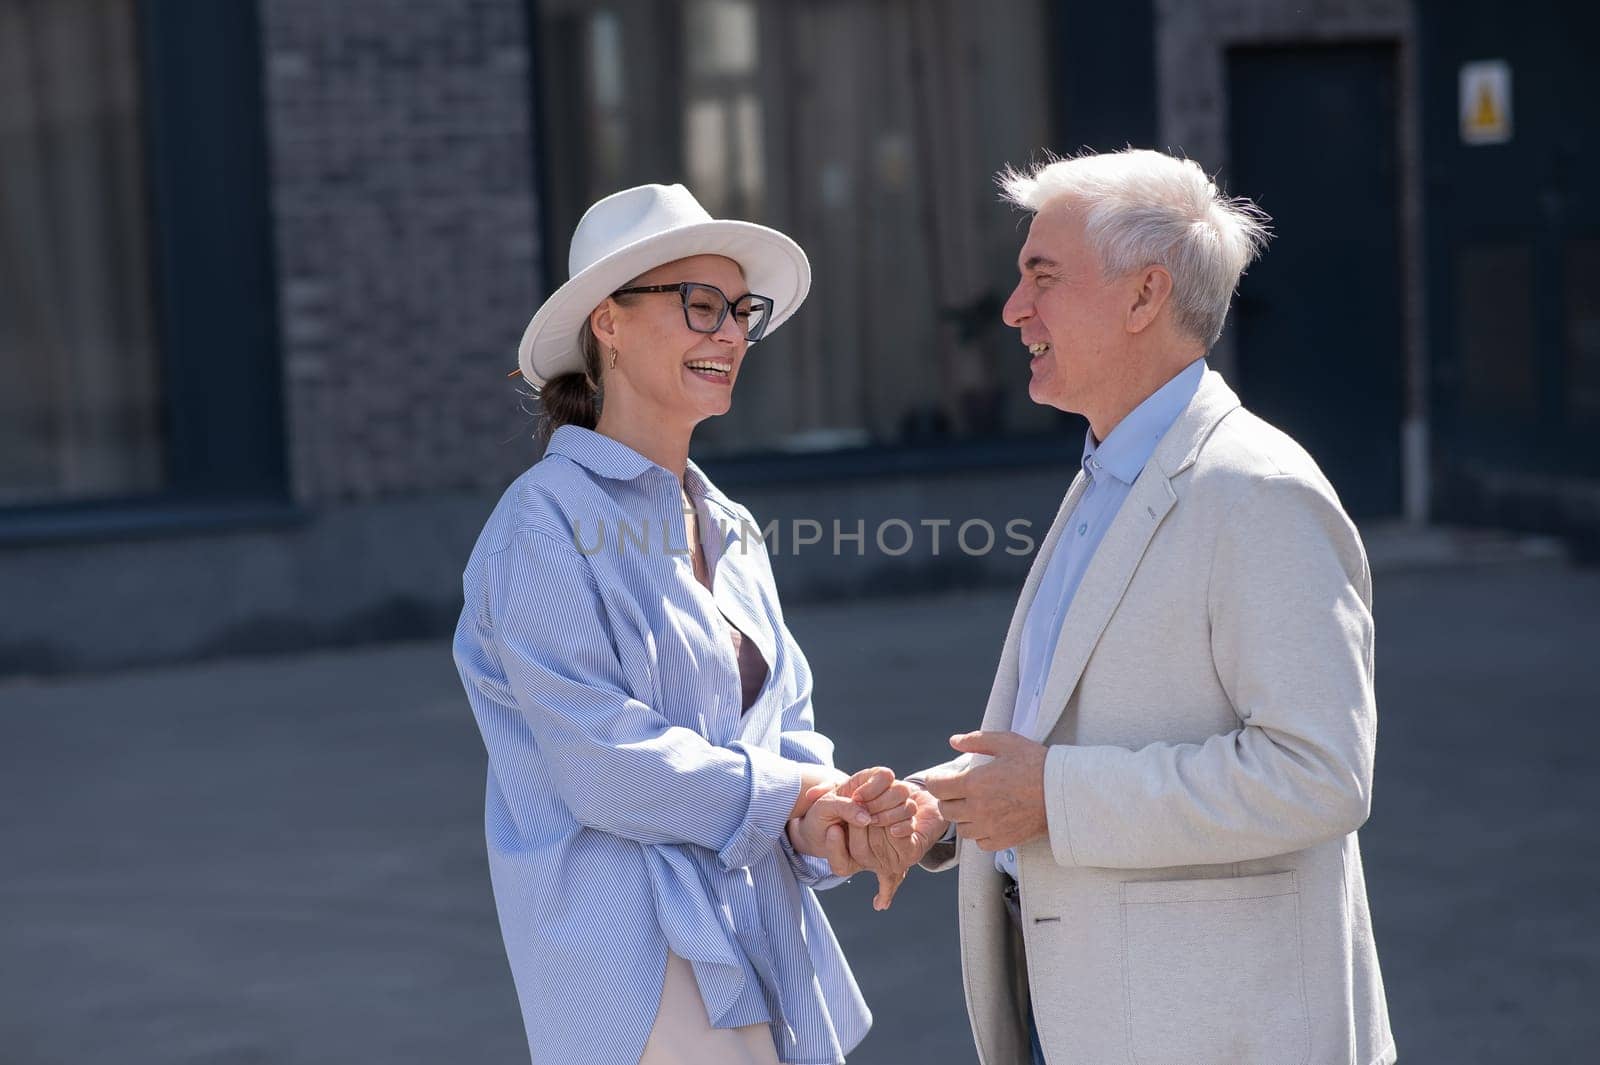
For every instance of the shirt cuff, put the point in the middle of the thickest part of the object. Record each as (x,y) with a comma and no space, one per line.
(809,870)
(774,787)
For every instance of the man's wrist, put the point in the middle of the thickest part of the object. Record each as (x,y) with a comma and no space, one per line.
(921,781)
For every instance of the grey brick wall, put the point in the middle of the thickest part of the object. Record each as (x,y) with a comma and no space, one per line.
(403,193)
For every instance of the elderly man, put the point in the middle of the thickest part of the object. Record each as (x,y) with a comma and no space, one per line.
(1157,821)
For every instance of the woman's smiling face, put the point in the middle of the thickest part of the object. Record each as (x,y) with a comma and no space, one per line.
(662,365)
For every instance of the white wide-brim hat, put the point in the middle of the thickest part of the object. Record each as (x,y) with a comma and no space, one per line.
(636,230)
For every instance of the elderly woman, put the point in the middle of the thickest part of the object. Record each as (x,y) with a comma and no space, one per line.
(659,804)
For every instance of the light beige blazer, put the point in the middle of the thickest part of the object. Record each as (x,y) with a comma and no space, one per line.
(1209,710)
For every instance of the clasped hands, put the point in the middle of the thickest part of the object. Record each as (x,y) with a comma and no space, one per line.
(874,822)
(867,821)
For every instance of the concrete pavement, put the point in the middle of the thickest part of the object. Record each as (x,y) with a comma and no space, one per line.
(280,860)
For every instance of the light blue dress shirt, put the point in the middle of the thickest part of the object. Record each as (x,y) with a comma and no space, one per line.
(631,806)
(1110,468)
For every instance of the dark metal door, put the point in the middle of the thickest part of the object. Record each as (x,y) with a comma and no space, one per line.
(1312,139)
(1512,246)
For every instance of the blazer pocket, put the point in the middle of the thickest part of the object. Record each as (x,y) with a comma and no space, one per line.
(1212,971)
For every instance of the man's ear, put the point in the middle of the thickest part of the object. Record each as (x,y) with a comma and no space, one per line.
(1153,291)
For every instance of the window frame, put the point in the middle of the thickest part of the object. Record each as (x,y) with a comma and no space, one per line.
(213,273)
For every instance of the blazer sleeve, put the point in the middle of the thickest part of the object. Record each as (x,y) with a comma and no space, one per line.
(1292,643)
(617,763)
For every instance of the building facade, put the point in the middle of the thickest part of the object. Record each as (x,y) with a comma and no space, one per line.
(1512,241)
(264,266)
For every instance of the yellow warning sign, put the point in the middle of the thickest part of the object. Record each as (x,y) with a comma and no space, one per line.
(1486,102)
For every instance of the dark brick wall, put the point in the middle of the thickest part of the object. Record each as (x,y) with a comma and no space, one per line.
(406,228)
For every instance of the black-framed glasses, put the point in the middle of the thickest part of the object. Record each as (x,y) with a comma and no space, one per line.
(705,307)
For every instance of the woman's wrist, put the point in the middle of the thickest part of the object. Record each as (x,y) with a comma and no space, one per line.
(815,781)
(795,831)
(812,774)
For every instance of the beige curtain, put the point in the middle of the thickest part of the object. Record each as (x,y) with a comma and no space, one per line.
(884,121)
(945,91)
(869,130)
(79,395)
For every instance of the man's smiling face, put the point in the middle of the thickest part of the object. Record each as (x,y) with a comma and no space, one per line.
(1071,320)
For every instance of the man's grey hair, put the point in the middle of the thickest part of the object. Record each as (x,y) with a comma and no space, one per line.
(1145,208)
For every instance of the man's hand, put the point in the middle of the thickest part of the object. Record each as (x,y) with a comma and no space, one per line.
(871,797)
(891,854)
(868,821)
(999,803)
(868,797)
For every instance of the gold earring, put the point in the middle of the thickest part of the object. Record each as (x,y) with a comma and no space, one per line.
(613,363)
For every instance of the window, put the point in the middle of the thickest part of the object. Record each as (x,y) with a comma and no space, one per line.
(722,127)
(869,132)
(80,411)
(138,315)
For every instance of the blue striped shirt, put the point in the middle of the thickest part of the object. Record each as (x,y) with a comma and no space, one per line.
(631,806)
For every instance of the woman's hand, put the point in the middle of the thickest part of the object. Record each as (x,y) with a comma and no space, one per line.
(815,782)
(890,853)
(828,797)
(899,847)
(808,833)
(868,821)
(890,802)
(869,797)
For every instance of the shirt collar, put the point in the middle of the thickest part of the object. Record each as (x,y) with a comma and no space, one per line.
(598,453)
(700,486)
(605,457)
(1129,447)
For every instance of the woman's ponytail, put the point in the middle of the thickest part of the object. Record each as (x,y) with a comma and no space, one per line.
(573,398)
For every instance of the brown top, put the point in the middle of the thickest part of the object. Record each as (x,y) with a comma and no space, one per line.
(752,667)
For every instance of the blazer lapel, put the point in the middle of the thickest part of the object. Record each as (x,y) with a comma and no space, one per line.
(1003,695)
(1119,554)
(1107,577)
